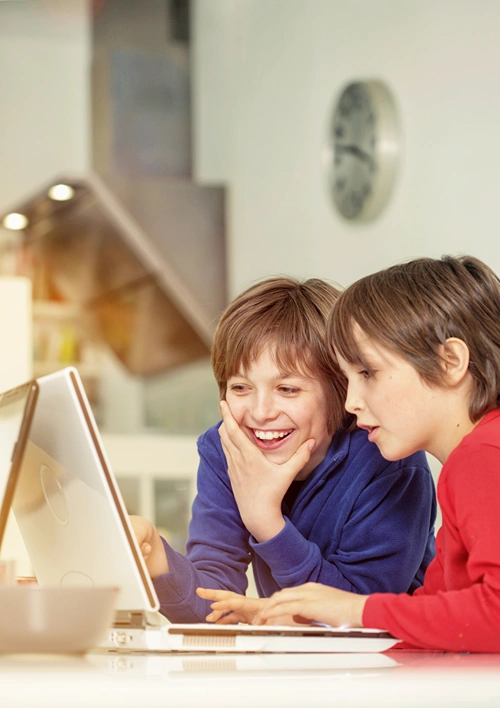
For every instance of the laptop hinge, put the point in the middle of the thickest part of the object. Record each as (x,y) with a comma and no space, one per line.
(132,619)
(138,619)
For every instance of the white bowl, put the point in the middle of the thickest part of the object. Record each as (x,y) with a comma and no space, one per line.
(55,620)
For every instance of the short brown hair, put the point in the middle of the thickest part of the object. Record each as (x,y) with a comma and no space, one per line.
(414,307)
(290,316)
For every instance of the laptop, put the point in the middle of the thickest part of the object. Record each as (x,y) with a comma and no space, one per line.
(17,407)
(77,531)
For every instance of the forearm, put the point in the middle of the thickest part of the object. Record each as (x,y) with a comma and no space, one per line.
(176,590)
(464,620)
(293,560)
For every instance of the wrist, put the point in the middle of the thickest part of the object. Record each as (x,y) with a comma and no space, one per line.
(266,531)
(358,609)
(157,562)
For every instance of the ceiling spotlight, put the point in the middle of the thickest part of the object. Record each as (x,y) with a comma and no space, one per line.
(61,192)
(15,222)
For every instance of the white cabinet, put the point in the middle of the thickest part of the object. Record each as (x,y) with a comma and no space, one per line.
(16,328)
(157,477)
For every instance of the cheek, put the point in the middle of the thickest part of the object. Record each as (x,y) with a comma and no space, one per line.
(315,417)
(236,406)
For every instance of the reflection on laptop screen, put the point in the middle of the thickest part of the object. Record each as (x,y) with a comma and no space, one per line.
(16,409)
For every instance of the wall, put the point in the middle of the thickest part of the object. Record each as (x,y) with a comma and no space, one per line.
(44,121)
(267,73)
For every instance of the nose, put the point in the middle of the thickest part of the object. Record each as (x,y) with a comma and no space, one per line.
(264,407)
(353,402)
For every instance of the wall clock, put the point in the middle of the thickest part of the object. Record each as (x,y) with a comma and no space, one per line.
(364,150)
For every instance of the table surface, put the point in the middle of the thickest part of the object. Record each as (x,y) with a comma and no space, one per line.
(397,678)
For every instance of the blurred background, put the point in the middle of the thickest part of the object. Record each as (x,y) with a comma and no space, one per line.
(157,157)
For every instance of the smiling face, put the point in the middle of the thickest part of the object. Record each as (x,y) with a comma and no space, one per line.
(400,411)
(279,411)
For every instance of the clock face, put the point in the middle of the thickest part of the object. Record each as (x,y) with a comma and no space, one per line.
(364,149)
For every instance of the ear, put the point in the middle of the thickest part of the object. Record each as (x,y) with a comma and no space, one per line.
(455,357)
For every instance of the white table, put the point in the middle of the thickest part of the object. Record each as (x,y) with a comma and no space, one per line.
(399,679)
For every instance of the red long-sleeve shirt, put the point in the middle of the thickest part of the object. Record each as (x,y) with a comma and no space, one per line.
(458,606)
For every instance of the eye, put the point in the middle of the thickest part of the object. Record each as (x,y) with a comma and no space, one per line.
(366,373)
(237,388)
(289,390)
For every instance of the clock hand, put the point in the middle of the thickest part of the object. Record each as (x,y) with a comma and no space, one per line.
(357,152)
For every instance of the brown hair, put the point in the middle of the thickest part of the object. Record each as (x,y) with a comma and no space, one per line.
(290,316)
(414,307)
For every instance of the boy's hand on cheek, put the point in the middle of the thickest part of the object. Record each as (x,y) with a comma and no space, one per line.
(258,484)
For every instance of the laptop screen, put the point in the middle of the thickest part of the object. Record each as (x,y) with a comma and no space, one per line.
(16,411)
(67,503)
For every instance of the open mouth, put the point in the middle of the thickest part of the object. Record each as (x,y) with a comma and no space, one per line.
(271,437)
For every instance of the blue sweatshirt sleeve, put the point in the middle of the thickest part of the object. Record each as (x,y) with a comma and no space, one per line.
(386,537)
(217,552)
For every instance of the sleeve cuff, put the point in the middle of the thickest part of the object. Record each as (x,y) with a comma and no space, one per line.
(285,553)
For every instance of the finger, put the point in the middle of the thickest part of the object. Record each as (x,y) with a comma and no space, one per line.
(230,431)
(232,618)
(229,448)
(230,603)
(214,616)
(299,619)
(292,608)
(145,550)
(301,456)
(213,594)
(225,617)
(229,423)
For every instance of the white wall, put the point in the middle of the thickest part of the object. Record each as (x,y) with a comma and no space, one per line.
(267,73)
(44,119)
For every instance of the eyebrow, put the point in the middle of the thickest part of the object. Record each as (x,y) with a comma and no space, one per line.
(281,375)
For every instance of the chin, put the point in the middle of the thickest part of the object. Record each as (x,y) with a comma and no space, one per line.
(393,455)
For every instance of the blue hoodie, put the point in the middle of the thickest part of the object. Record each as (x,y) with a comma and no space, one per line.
(358,523)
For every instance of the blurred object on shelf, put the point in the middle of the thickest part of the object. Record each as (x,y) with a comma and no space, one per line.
(87,252)
(61,339)
(50,332)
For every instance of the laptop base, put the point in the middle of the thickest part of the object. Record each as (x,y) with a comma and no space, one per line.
(243,639)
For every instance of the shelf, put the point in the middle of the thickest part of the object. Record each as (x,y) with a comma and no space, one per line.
(86,371)
(54,310)
(60,340)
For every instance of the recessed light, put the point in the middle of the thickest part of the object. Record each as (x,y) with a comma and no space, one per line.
(15,221)
(61,192)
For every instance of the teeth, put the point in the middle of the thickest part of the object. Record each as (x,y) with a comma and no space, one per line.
(270,435)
